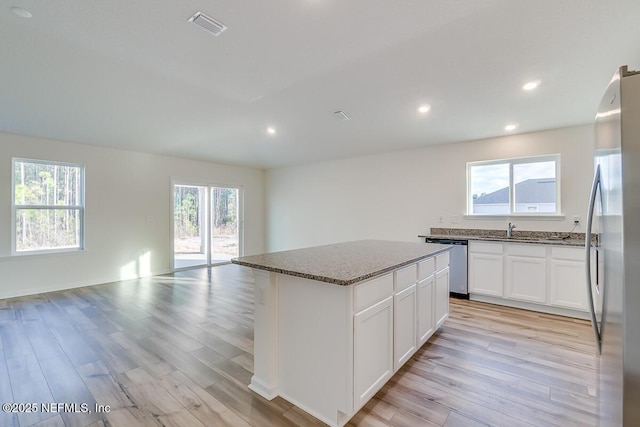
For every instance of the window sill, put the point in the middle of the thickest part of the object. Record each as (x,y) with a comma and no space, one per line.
(41,254)
(538,217)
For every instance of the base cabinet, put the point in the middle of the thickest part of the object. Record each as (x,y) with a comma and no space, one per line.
(425,308)
(526,273)
(568,284)
(442,296)
(567,278)
(537,277)
(372,350)
(336,346)
(404,326)
(486,273)
(389,332)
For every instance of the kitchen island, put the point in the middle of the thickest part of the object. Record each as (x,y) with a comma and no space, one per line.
(333,323)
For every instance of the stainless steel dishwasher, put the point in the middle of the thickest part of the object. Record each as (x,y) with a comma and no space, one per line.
(457,265)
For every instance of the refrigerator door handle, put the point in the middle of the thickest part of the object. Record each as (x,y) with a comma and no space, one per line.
(592,310)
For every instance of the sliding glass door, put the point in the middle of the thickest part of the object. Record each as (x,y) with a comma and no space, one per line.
(190,241)
(225,224)
(207,223)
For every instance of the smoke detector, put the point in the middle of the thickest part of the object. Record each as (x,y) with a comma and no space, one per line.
(342,116)
(207,23)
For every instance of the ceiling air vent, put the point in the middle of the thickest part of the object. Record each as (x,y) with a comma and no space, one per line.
(341,115)
(209,24)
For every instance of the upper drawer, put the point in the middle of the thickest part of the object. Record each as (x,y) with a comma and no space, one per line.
(575,254)
(442,260)
(536,251)
(486,247)
(405,277)
(426,267)
(368,293)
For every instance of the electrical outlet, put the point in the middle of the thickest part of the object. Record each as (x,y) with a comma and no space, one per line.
(440,219)
(577,219)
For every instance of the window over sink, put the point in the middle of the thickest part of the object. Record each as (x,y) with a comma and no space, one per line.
(519,186)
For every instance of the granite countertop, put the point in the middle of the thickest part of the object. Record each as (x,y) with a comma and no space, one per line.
(343,263)
(518,236)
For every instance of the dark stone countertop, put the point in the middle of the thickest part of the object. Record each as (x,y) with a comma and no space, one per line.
(518,236)
(343,263)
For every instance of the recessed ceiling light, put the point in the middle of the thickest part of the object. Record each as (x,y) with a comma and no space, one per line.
(271,130)
(531,85)
(424,108)
(22,13)
(510,127)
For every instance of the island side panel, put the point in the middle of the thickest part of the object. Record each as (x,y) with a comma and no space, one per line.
(265,350)
(315,347)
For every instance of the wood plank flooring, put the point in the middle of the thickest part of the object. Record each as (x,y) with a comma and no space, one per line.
(177,351)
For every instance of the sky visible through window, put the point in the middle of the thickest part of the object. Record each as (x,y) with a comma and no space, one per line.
(489,178)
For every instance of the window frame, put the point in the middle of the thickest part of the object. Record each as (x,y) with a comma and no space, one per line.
(511,162)
(80,208)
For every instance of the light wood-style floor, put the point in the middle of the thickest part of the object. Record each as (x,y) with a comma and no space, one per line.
(177,351)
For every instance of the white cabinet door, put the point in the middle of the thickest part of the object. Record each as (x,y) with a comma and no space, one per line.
(372,350)
(442,296)
(424,308)
(526,272)
(568,284)
(404,326)
(486,274)
(567,278)
(526,278)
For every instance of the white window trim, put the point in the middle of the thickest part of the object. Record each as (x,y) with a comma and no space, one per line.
(557,215)
(542,216)
(14,207)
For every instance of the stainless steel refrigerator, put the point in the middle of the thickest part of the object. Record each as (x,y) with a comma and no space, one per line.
(614,281)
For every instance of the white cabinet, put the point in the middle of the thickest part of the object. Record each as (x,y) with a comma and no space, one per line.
(486,265)
(328,349)
(442,296)
(537,277)
(404,314)
(425,303)
(526,272)
(393,317)
(568,279)
(404,326)
(425,311)
(372,350)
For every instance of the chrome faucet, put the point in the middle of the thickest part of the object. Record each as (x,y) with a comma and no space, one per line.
(510,228)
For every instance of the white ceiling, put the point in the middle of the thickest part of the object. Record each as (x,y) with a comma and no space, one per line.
(137,75)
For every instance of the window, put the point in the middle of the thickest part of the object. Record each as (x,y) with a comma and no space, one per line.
(526,186)
(48,206)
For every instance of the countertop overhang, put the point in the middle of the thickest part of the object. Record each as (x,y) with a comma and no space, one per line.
(343,263)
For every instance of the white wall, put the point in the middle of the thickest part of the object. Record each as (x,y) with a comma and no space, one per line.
(396,196)
(122,189)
